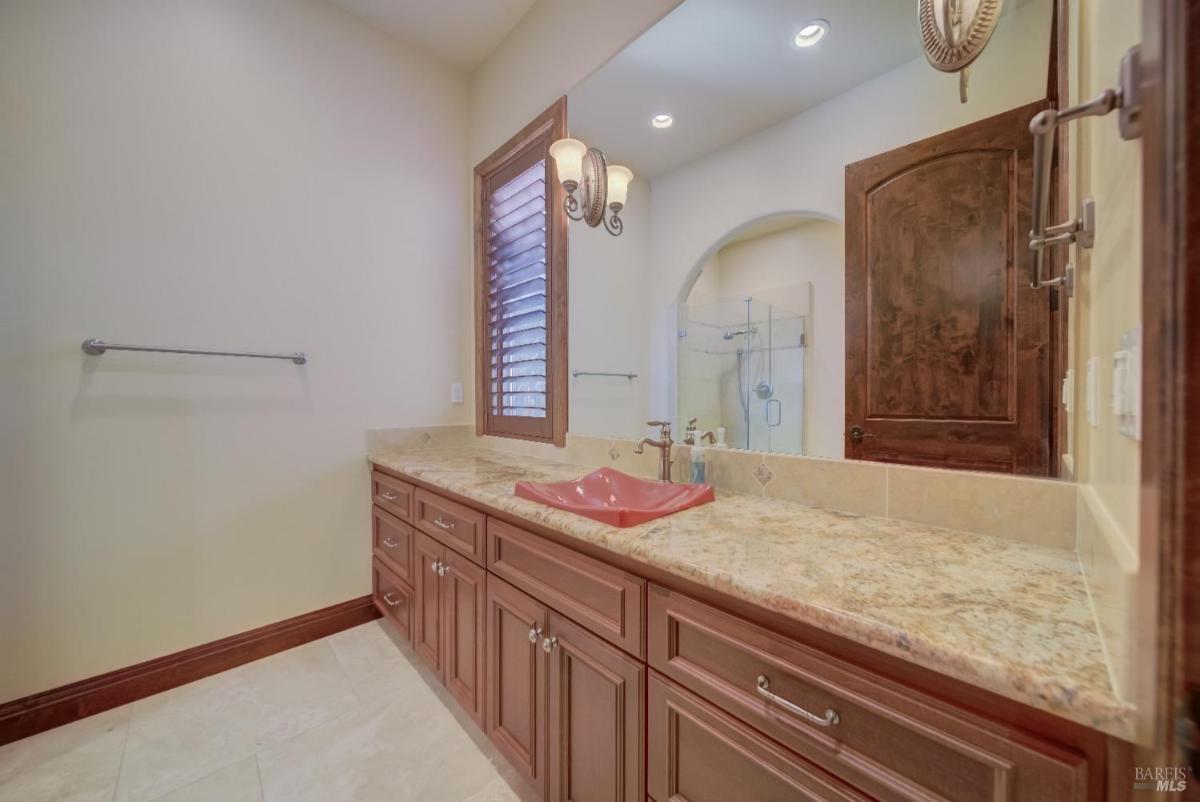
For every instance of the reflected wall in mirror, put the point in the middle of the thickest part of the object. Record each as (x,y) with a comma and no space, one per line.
(829,252)
(759,363)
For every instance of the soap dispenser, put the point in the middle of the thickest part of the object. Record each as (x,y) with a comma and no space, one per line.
(698,464)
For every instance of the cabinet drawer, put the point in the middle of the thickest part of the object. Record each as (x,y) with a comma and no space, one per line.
(699,754)
(393,598)
(450,523)
(393,543)
(889,740)
(604,599)
(393,495)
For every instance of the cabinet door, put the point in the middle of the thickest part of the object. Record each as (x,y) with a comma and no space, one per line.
(516,678)
(463,606)
(700,754)
(594,717)
(427,623)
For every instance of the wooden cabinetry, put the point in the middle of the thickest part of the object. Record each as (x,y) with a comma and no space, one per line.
(516,678)
(891,741)
(606,600)
(463,602)
(595,717)
(448,633)
(392,541)
(392,597)
(564,707)
(699,754)
(548,648)
(427,624)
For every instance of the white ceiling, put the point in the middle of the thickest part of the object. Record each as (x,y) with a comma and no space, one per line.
(461,33)
(726,68)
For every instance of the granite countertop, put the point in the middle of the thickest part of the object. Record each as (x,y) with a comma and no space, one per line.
(1005,616)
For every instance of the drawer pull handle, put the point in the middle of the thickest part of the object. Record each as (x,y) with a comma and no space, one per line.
(534,634)
(549,644)
(387,597)
(442,523)
(388,495)
(391,544)
(764,690)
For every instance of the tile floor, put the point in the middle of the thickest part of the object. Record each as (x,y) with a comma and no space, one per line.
(344,718)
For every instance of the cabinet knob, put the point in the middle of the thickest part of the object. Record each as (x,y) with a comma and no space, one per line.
(549,644)
(535,632)
(433,566)
(443,569)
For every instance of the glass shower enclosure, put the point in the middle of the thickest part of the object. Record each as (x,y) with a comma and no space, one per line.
(741,368)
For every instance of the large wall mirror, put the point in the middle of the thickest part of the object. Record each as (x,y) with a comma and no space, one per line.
(826,251)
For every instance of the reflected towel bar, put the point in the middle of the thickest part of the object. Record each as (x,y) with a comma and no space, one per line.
(95,347)
(578,373)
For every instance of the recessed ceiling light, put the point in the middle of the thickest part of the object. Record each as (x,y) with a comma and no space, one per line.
(662,120)
(811,33)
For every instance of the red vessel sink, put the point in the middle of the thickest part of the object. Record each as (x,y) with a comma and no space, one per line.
(616,498)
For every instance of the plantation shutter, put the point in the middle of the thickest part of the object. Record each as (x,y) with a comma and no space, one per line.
(515,247)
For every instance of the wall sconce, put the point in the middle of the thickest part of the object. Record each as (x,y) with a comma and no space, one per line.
(602,188)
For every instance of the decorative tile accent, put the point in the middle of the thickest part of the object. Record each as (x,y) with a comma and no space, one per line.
(763,474)
(832,484)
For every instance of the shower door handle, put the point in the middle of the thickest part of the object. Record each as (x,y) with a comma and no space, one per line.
(778,411)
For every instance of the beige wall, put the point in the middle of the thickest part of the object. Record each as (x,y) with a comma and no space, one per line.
(269,175)
(1106,304)
(812,254)
(555,46)
(798,166)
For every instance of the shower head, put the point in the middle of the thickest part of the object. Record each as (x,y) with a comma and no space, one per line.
(729,335)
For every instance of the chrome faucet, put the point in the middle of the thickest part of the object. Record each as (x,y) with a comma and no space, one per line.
(690,436)
(663,444)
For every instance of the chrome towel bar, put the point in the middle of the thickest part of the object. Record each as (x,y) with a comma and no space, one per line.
(95,347)
(578,373)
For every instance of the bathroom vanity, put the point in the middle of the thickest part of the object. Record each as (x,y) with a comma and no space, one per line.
(747,649)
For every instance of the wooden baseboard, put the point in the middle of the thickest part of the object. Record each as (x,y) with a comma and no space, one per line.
(21,718)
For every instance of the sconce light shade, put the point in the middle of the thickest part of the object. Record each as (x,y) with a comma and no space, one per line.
(568,158)
(618,183)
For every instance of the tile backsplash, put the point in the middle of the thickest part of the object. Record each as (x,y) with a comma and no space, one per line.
(1038,511)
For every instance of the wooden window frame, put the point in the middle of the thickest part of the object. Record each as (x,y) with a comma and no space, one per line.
(547,127)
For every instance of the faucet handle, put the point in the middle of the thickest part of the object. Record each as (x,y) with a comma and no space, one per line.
(664,427)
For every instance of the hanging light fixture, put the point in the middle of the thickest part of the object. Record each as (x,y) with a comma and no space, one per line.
(602,190)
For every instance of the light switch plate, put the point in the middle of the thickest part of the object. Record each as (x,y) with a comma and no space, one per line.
(1127,384)
(456,393)
(1092,399)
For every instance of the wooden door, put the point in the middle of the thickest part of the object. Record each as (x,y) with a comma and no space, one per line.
(698,753)
(516,679)
(427,617)
(462,620)
(594,719)
(948,349)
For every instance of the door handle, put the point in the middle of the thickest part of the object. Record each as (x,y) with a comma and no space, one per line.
(778,411)
(857,434)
